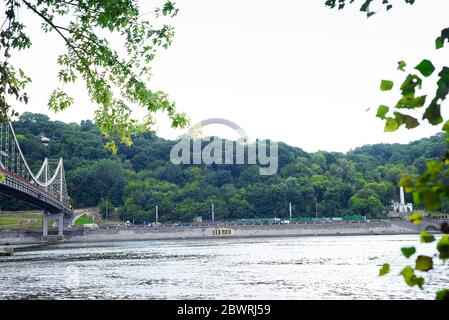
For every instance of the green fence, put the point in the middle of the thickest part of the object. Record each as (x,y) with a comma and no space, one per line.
(305,219)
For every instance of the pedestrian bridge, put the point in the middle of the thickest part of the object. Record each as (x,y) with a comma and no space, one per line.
(46,189)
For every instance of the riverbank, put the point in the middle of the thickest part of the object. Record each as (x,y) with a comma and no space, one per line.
(321,228)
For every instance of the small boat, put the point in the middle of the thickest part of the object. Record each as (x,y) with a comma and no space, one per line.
(6,252)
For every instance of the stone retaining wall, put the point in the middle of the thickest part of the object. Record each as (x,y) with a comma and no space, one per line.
(198,232)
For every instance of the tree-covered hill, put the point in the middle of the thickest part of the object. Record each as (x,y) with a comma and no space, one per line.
(136,179)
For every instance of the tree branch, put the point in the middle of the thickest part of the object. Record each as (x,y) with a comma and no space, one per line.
(56,28)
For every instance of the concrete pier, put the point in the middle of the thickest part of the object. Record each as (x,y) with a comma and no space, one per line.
(51,238)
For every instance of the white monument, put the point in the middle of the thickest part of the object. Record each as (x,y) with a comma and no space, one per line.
(401,207)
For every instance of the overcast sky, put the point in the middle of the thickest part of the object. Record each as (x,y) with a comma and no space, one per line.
(287,70)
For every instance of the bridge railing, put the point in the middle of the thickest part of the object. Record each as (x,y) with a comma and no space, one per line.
(18,183)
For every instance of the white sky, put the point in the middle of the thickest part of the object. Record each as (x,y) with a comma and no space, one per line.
(287,70)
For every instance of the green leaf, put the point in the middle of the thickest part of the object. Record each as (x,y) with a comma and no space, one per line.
(426,237)
(408,270)
(111,146)
(382,111)
(426,68)
(411,82)
(391,124)
(59,101)
(402,65)
(433,113)
(424,263)
(443,247)
(408,251)
(411,122)
(386,85)
(446,127)
(431,199)
(407,183)
(443,295)
(410,278)
(365,6)
(439,42)
(420,282)
(416,218)
(384,269)
(417,197)
(410,102)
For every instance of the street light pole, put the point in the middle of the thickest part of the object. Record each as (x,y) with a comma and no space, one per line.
(213,214)
(316,207)
(290,210)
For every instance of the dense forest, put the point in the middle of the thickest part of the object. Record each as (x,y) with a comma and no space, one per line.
(136,179)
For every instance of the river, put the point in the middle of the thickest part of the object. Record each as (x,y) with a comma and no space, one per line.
(343,267)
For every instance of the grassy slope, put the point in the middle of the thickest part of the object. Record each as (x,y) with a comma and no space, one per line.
(86,219)
(83,220)
(26,220)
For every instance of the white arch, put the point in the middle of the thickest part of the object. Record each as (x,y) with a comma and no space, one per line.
(221,121)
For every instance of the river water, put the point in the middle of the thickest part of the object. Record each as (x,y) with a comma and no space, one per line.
(344,267)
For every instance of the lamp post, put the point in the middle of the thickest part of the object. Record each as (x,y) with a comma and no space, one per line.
(106,210)
(290,210)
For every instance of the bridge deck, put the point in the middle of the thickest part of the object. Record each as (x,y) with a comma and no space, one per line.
(19,188)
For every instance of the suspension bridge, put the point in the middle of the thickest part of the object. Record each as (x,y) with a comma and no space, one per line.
(46,189)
